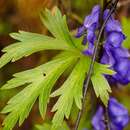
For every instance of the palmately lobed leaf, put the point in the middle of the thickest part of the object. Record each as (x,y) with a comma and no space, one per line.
(101,87)
(69,92)
(22,103)
(28,36)
(30,43)
(57,25)
(47,126)
(27,47)
(39,81)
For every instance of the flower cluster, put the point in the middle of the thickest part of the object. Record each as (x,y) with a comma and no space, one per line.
(113,52)
(118,116)
(91,24)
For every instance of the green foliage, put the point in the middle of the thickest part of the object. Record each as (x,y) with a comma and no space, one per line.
(57,25)
(126,30)
(69,92)
(100,84)
(101,87)
(47,126)
(30,43)
(39,81)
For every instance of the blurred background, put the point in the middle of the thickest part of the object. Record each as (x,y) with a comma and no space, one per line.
(24,15)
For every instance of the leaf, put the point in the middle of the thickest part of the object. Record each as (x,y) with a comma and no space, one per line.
(100,83)
(31,44)
(69,92)
(28,36)
(47,126)
(101,87)
(57,25)
(103,69)
(39,81)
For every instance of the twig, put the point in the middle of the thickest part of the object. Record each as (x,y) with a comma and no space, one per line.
(107,122)
(87,81)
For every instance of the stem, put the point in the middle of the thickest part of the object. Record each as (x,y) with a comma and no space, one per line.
(87,81)
(107,119)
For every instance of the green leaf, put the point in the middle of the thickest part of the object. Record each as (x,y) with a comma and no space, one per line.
(103,69)
(39,82)
(69,92)
(100,84)
(47,126)
(126,30)
(30,43)
(57,25)
(28,36)
(101,87)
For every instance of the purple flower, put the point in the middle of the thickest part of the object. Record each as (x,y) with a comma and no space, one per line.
(112,24)
(121,52)
(118,116)
(118,59)
(91,24)
(81,31)
(90,49)
(122,67)
(107,57)
(114,39)
(98,120)
(92,20)
(117,56)
(114,54)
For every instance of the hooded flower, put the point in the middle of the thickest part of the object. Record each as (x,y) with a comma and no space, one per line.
(114,54)
(91,24)
(112,24)
(118,116)
(98,120)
